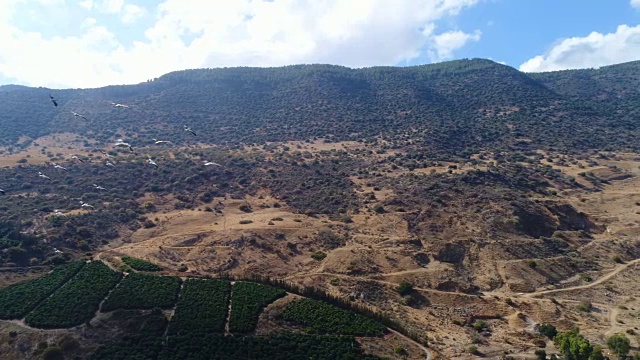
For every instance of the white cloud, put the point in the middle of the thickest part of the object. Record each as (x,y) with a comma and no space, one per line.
(591,51)
(88,22)
(635,3)
(87,4)
(446,43)
(195,33)
(131,13)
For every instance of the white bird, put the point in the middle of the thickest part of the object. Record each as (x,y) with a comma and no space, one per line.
(58,166)
(78,115)
(98,187)
(188,129)
(158,142)
(57,251)
(85,205)
(119,105)
(109,163)
(1,191)
(75,157)
(58,212)
(207,163)
(121,143)
(43,175)
(151,162)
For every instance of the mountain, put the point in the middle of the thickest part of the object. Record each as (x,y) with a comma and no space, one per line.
(465,201)
(452,108)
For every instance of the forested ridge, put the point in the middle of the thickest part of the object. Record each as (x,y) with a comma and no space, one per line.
(452,106)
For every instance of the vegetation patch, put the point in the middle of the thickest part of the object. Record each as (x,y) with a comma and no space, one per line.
(140,265)
(144,341)
(18,299)
(202,308)
(248,300)
(142,291)
(290,346)
(77,301)
(321,317)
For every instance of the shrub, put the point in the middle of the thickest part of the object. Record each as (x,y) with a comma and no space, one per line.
(245,222)
(404,288)
(479,325)
(548,330)
(472,349)
(318,255)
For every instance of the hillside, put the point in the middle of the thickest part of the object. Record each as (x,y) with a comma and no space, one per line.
(452,107)
(496,195)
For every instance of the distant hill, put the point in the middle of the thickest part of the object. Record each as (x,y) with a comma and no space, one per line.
(452,107)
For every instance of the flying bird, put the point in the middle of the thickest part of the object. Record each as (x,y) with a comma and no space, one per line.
(119,105)
(85,205)
(188,129)
(2,192)
(151,162)
(120,143)
(158,142)
(208,163)
(53,100)
(43,175)
(75,157)
(98,187)
(76,114)
(58,167)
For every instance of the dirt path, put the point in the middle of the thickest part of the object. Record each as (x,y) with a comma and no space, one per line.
(599,281)
(424,348)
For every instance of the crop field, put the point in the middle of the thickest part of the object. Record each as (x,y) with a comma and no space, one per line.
(248,300)
(17,300)
(140,265)
(328,319)
(77,301)
(142,291)
(256,347)
(202,308)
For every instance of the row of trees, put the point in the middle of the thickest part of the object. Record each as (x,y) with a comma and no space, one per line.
(141,291)
(247,301)
(202,307)
(77,301)
(19,299)
(320,317)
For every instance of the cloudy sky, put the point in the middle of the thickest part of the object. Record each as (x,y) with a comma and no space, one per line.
(90,43)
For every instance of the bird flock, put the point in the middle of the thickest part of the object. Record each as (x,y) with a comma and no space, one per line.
(109,161)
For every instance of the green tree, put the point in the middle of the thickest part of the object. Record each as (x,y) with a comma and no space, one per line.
(573,345)
(541,354)
(619,344)
(596,354)
(548,330)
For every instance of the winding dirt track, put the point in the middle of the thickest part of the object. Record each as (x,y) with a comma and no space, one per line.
(599,281)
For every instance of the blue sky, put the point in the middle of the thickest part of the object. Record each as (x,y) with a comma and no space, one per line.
(89,43)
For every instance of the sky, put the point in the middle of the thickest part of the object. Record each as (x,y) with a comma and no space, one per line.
(93,43)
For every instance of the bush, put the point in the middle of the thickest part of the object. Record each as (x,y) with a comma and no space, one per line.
(404,288)
(540,354)
(379,209)
(619,344)
(53,353)
(318,255)
(548,330)
(245,222)
(472,349)
(245,208)
(479,325)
